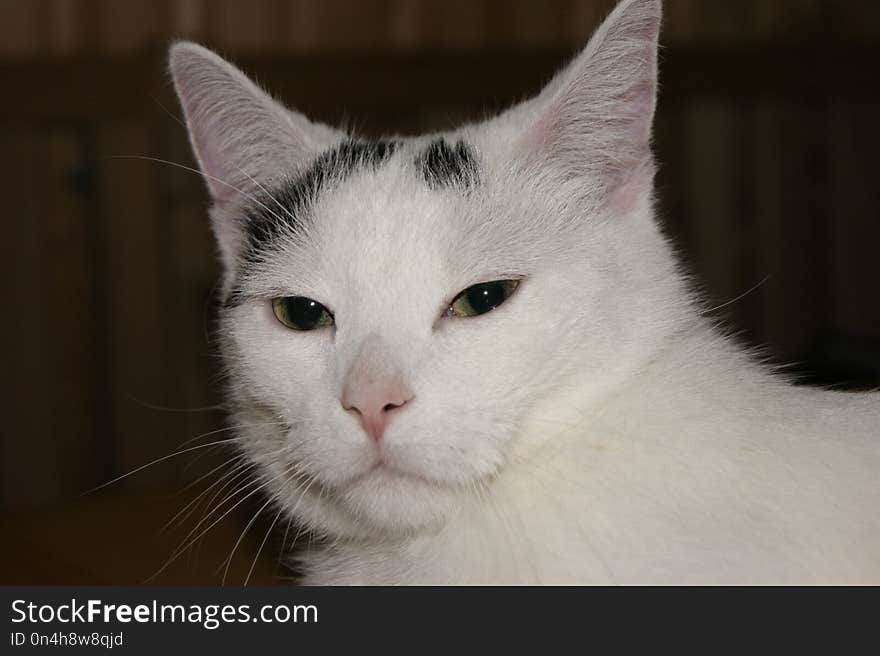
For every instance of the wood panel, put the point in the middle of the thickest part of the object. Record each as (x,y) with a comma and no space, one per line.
(29,464)
(74,342)
(35,27)
(719,229)
(854,217)
(788,188)
(134,237)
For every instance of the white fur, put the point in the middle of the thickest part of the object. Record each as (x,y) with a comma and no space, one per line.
(595,428)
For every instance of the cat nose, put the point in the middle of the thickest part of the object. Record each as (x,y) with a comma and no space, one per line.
(375,404)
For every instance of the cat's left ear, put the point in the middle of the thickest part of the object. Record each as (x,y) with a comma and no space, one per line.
(595,118)
(240,135)
(243,139)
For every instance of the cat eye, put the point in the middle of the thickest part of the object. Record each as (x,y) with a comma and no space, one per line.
(301,313)
(482,298)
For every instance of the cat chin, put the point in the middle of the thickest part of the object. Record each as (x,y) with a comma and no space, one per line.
(390,502)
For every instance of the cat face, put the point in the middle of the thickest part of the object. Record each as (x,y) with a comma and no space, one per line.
(400,315)
(387,255)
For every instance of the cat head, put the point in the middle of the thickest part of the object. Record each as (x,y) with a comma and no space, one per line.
(404,318)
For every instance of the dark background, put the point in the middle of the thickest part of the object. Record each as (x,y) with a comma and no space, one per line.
(768,136)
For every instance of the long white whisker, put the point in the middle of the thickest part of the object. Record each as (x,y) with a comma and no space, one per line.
(228,560)
(738,298)
(182,549)
(183,451)
(157,461)
(194,503)
(159,160)
(262,544)
(163,408)
(265,191)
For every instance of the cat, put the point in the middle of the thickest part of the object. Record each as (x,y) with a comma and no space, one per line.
(471,357)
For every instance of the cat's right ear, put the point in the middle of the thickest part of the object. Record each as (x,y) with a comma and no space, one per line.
(593,121)
(239,134)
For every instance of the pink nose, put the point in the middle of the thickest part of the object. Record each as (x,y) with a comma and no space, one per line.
(374,404)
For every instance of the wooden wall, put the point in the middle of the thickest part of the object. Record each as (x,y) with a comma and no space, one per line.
(767,138)
(65,27)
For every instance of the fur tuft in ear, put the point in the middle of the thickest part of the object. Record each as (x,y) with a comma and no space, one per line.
(238,133)
(595,117)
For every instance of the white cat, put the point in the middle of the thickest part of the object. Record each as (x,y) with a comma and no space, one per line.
(470,357)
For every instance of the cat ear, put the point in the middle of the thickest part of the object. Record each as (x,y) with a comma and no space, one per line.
(238,132)
(595,117)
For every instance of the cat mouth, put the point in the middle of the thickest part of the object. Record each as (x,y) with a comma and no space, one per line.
(381,471)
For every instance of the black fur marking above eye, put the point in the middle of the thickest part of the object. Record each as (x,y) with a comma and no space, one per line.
(283,210)
(443,165)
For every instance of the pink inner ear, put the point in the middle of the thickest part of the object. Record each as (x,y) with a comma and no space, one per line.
(215,169)
(237,130)
(640,100)
(609,145)
(538,139)
(597,123)
(632,189)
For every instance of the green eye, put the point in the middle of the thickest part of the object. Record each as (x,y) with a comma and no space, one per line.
(482,298)
(301,313)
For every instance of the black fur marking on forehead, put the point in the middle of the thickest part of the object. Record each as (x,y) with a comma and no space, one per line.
(443,165)
(283,210)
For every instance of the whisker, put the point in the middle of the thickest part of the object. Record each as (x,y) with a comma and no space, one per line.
(192,484)
(243,470)
(283,550)
(157,461)
(162,408)
(229,558)
(197,500)
(170,114)
(183,451)
(201,173)
(268,195)
(210,508)
(738,298)
(178,552)
(262,544)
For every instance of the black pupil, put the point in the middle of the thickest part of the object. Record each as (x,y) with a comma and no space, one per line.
(303,312)
(486,296)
